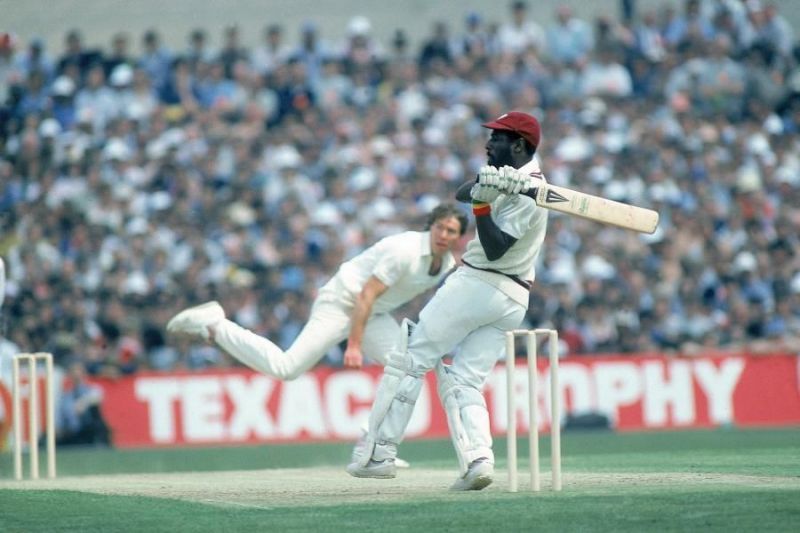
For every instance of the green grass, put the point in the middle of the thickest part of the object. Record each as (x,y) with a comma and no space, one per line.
(723,451)
(745,510)
(616,507)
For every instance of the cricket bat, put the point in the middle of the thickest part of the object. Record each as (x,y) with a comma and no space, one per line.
(594,208)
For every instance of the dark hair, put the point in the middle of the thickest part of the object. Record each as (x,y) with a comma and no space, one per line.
(446,211)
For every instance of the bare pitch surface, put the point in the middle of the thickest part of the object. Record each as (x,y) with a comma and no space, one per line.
(282,475)
(267,489)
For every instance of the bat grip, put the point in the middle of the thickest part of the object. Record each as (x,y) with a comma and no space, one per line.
(531,193)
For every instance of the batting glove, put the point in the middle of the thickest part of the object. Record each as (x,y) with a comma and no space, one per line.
(489,176)
(484,193)
(515,181)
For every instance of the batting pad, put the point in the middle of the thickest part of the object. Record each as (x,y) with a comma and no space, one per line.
(467,418)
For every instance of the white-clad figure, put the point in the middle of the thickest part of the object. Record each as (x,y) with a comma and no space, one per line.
(355,304)
(469,315)
(2,281)
(5,346)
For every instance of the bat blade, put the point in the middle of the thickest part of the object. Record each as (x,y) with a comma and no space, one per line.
(595,208)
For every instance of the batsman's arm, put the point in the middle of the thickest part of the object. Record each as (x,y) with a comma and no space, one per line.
(495,242)
(373,288)
(462,193)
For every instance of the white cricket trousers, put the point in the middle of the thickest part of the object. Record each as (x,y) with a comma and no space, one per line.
(467,317)
(328,325)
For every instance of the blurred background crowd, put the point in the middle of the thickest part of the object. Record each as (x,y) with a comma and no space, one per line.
(137,179)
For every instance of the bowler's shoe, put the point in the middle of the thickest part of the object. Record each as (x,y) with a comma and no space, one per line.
(385,469)
(194,321)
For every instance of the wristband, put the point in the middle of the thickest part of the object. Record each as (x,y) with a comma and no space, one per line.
(480,209)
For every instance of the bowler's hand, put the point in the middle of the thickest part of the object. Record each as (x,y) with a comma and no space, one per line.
(353,358)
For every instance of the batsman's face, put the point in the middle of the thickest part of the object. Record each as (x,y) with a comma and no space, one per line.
(445,233)
(498,149)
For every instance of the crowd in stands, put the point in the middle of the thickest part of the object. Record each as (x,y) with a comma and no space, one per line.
(136,180)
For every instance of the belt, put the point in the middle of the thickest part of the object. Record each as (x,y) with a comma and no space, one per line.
(516,279)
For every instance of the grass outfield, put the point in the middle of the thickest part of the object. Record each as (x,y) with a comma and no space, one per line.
(695,480)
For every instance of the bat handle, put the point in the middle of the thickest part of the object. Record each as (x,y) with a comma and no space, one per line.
(531,193)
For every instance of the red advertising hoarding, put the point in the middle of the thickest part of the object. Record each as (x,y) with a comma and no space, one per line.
(226,407)
(635,393)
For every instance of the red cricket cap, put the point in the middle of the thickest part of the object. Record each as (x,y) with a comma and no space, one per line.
(523,124)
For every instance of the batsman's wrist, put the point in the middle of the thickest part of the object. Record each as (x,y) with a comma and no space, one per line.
(480,209)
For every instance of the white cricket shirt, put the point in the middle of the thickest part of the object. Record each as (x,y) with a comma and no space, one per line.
(520,217)
(401,262)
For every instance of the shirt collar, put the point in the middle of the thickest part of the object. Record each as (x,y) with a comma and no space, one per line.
(531,166)
(425,244)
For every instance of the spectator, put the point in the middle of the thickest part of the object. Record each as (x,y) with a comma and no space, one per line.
(180,90)
(120,54)
(691,28)
(399,48)
(198,51)
(311,52)
(36,98)
(334,87)
(96,100)
(63,102)
(142,99)
(437,47)
(520,33)
(75,55)
(362,55)
(295,90)
(214,90)
(569,39)
(155,59)
(9,74)
(232,51)
(605,76)
(36,58)
(474,41)
(776,30)
(721,80)
(121,81)
(271,52)
(79,420)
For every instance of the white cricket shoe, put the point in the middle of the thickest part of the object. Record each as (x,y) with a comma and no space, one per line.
(194,321)
(385,469)
(478,476)
(361,444)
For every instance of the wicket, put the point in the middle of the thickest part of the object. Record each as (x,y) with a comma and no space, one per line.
(531,337)
(33,414)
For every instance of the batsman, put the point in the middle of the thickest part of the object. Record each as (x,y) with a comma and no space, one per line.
(469,315)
